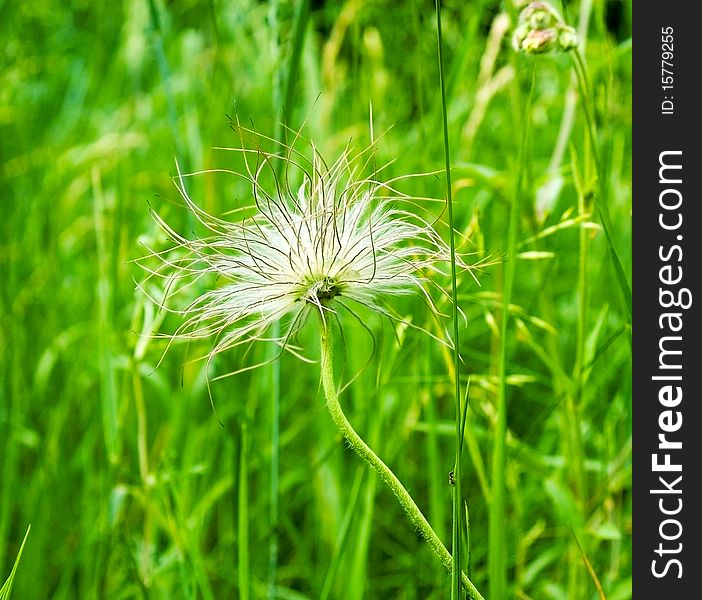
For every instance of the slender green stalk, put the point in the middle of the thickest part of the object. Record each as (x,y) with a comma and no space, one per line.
(437,479)
(581,340)
(6,589)
(457,503)
(243,517)
(601,198)
(573,400)
(143,456)
(274,367)
(374,461)
(274,471)
(109,393)
(497,544)
(165,73)
(10,447)
(342,538)
(283,110)
(109,389)
(568,117)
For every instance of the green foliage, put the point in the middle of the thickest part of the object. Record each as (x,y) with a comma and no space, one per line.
(6,589)
(135,488)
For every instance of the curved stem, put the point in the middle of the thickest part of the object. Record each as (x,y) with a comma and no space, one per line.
(374,461)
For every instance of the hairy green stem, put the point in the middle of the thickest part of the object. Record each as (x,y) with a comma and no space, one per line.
(375,462)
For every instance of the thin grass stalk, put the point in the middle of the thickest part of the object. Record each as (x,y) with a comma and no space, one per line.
(343,537)
(497,542)
(165,74)
(143,457)
(109,394)
(573,399)
(356,578)
(10,447)
(274,469)
(437,482)
(568,117)
(601,201)
(6,589)
(108,387)
(574,462)
(283,111)
(243,562)
(457,503)
(274,367)
(375,462)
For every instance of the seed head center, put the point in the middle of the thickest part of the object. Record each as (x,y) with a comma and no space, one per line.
(324,289)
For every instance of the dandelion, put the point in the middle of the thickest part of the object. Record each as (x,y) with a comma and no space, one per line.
(337,241)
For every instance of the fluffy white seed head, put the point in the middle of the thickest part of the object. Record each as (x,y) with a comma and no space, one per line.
(336,240)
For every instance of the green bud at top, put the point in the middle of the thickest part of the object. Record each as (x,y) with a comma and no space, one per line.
(522,30)
(541,29)
(539,15)
(567,38)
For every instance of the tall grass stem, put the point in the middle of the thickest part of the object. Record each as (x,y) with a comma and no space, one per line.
(282,120)
(457,503)
(497,542)
(601,201)
(243,517)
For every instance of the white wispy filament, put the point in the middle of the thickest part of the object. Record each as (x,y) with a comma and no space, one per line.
(335,241)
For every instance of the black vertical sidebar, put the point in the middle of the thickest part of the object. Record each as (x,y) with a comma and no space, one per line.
(667,297)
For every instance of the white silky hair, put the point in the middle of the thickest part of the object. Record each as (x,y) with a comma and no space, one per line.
(339,237)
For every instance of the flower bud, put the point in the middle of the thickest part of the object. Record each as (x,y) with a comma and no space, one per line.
(539,15)
(539,41)
(541,29)
(519,35)
(567,38)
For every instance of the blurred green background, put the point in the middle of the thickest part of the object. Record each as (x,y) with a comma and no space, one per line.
(132,485)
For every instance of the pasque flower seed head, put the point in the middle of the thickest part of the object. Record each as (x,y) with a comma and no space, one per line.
(337,239)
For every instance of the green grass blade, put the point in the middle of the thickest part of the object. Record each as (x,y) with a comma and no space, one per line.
(244,577)
(343,536)
(456,588)
(282,121)
(600,199)
(497,543)
(6,589)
